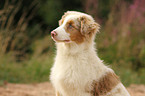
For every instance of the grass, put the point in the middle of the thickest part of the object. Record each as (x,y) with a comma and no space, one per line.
(34,69)
(122,61)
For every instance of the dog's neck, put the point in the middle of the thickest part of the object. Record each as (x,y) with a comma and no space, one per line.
(73,48)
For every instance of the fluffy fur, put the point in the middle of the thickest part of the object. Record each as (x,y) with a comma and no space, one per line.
(77,70)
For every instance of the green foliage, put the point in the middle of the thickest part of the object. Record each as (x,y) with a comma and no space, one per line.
(123,41)
(27,50)
(35,69)
(51,11)
(142,56)
(25,72)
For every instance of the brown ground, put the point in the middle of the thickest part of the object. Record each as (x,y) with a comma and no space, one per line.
(45,89)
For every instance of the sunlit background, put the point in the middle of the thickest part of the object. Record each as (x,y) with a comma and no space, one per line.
(27,50)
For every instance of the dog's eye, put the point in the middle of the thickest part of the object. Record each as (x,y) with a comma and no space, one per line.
(70,26)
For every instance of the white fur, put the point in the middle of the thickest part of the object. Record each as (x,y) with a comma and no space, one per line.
(61,33)
(76,67)
(73,72)
(121,88)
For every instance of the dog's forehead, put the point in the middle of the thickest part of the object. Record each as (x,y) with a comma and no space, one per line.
(70,17)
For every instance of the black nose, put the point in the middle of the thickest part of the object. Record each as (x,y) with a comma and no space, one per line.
(53,34)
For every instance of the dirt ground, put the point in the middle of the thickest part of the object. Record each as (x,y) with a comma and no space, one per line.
(45,89)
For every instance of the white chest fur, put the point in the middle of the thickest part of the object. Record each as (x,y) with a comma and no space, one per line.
(73,73)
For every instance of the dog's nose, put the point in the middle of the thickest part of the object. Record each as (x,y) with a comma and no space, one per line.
(53,33)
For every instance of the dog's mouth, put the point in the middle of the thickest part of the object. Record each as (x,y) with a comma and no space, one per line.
(57,40)
(53,36)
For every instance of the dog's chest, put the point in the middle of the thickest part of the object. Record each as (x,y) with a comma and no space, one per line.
(71,74)
(70,70)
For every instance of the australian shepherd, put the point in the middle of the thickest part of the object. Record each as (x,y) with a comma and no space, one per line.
(77,70)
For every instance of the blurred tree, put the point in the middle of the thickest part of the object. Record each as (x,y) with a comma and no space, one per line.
(14,23)
(23,21)
(51,11)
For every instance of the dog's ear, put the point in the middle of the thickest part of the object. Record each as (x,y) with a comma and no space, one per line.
(88,26)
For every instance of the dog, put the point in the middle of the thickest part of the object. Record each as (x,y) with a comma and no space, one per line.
(77,70)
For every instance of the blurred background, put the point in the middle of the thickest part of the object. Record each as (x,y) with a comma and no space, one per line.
(27,50)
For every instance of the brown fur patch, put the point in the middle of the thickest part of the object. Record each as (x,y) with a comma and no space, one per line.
(88,26)
(74,32)
(105,84)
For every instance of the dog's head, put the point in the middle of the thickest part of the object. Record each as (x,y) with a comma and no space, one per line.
(75,27)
